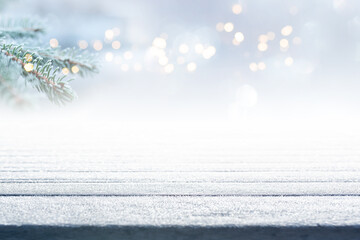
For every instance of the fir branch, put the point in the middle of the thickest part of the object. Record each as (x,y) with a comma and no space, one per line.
(70,57)
(56,88)
(41,67)
(23,28)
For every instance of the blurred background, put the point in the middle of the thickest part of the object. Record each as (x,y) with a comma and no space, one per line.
(257,61)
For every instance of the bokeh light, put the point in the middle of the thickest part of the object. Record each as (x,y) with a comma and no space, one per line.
(115,45)
(289,61)
(29,67)
(183,48)
(191,67)
(229,27)
(54,43)
(75,69)
(169,68)
(237,9)
(287,30)
(83,44)
(159,42)
(98,45)
(253,67)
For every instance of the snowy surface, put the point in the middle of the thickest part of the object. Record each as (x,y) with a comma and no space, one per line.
(61,174)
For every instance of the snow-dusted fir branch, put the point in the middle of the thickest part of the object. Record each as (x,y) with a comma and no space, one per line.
(20,28)
(38,66)
(43,75)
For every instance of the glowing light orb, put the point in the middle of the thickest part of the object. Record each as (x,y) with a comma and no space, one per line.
(284,43)
(239,37)
(65,71)
(261,66)
(262,47)
(263,38)
(109,34)
(191,67)
(98,45)
(29,67)
(229,27)
(183,48)
(83,44)
(109,56)
(235,42)
(209,52)
(54,43)
(75,69)
(159,42)
(289,61)
(163,60)
(28,57)
(253,67)
(237,9)
(287,30)
(115,45)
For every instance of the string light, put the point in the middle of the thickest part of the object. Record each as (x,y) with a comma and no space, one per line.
(54,43)
(29,67)
(83,44)
(109,34)
(228,27)
(159,42)
(183,48)
(163,60)
(115,45)
(262,47)
(28,57)
(235,42)
(253,67)
(239,37)
(209,52)
(287,30)
(97,45)
(236,9)
(261,66)
(284,43)
(75,69)
(263,38)
(289,61)
(65,71)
